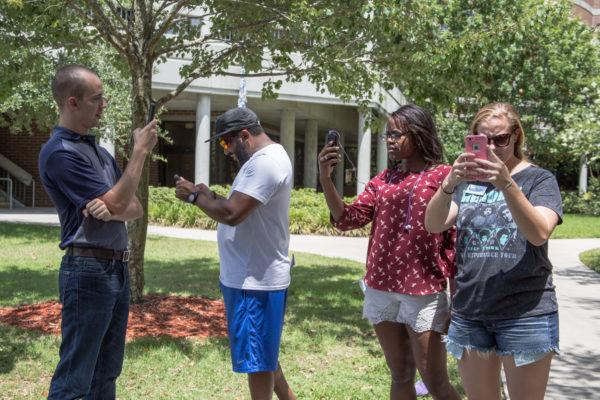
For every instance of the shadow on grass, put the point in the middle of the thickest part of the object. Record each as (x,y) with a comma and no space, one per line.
(15,344)
(33,234)
(188,276)
(194,349)
(327,296)
(26,286)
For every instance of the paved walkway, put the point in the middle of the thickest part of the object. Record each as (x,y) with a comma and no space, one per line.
(575,375)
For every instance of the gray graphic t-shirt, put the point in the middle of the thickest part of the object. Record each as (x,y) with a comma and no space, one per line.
(500,274)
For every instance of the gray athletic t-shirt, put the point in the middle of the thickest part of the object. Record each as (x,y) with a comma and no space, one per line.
(500,275)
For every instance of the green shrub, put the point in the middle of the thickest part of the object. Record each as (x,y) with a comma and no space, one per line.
(588,203)
(309,214)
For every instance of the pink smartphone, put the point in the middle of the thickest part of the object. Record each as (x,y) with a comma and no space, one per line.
(477,144)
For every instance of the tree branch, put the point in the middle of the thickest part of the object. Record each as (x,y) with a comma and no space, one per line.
(199,71)
(212,36)
(280,13)
(115,12)
(98,23)
(166,23)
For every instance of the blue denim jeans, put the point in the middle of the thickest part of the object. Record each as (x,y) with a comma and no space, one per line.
(95,306)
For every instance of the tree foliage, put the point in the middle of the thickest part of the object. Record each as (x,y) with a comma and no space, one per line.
(531,53)
(284,40)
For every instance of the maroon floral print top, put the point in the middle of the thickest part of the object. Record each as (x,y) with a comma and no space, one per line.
(402,256)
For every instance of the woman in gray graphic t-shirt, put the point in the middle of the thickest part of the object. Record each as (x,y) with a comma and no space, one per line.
(504,309)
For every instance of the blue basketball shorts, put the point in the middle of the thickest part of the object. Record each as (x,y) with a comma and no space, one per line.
(254,326)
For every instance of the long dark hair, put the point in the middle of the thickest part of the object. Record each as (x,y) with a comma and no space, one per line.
(419,123)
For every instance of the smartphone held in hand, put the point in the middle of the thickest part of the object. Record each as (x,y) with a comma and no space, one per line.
(332,137)
(151,111)
(477,144)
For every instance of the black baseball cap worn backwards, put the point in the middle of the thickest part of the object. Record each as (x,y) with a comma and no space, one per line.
(234,120)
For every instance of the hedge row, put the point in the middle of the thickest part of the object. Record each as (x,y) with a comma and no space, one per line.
(588,203)
(308,212)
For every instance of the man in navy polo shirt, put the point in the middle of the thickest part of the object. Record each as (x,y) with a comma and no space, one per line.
(93,200)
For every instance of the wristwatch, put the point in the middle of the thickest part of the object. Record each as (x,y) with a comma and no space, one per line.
(192,197)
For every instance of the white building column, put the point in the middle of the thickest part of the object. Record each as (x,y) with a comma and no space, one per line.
(363,173)
(339,172)
(288,132)
(382,155)
(310,154)
(108,144)
(583,174)
(202,155)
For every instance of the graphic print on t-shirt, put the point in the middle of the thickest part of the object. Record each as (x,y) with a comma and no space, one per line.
(485,226)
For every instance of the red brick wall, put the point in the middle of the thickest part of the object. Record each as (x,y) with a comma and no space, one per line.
(154,174)
(23,150)
(585,15)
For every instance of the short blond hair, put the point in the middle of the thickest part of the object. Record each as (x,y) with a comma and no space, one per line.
(502,110)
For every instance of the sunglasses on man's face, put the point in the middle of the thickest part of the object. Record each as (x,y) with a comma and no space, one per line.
(225,141)
(501,140)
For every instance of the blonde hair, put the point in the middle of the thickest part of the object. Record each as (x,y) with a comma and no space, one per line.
(507,111)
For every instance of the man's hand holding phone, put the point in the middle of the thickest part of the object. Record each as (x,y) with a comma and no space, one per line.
(183,189)
(145,139)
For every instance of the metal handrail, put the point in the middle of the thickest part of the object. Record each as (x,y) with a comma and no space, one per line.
(10,187)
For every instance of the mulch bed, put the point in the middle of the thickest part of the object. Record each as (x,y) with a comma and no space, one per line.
(157,315)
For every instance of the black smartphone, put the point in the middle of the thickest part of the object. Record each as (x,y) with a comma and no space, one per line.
(151,111)
(332,136)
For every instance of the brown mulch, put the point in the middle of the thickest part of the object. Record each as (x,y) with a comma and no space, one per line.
(157,315)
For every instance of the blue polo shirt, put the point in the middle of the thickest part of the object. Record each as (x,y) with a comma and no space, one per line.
(74,171)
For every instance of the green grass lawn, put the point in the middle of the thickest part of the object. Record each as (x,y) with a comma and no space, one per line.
(591,258)
(578,226)
(328,351)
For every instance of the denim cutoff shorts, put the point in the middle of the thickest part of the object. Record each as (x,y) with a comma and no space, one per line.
(528,339)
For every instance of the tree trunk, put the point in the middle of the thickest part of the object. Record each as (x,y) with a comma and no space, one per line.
(138,229)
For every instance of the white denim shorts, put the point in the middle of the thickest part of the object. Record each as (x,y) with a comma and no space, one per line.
(421,313)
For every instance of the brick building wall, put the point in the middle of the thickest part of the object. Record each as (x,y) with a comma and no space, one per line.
(588,11)
(23,150)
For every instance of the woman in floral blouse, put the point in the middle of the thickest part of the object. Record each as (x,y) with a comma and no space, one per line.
(407,267)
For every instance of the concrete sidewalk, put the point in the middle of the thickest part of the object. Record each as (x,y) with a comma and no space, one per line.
(575,374)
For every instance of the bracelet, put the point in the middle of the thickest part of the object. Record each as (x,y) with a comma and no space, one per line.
(442,186)
(509,184)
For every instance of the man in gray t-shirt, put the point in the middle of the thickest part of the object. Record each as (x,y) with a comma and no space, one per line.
(490,249)
(253,238)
